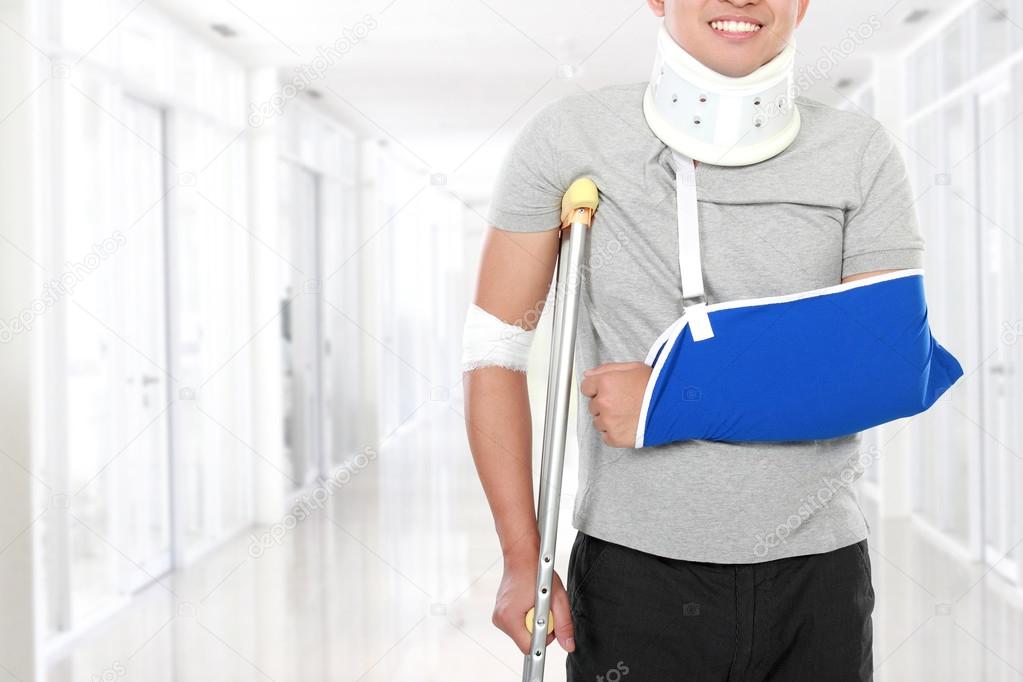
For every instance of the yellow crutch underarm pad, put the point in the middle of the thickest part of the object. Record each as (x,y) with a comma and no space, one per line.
(581,194)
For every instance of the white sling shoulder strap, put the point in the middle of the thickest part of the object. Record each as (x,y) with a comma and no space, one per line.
(694,298)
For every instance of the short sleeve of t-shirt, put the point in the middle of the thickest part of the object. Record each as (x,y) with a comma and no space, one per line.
(883,232)
(527,193)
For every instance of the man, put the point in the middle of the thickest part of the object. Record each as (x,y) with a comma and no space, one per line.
(696,560)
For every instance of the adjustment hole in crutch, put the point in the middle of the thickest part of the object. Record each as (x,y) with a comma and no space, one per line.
(531,618)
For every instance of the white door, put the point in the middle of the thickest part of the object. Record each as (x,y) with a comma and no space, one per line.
(142,469)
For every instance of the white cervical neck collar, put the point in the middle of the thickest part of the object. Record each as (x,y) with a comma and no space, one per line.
(718,119)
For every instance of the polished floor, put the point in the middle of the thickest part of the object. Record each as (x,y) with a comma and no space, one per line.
(394,579)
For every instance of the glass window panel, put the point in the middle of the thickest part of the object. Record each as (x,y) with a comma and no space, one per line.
(1016,24)
(994,31)
(349,159)
(86,140)
(936,466)
(299,213)
(341,312)
(953,54)
(867,100)
(922,76)
(960,231)
(1000,296)
(211,253)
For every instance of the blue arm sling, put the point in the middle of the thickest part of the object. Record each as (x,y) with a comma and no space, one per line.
(814,365)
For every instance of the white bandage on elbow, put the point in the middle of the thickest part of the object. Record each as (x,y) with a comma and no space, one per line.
(488,341)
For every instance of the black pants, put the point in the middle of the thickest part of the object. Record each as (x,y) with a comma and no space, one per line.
(643,618)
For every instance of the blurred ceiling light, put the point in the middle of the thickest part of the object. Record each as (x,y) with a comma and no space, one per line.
(997,13)
(915,16)
(223,30)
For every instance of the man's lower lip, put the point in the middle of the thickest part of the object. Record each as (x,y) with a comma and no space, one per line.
(735,36)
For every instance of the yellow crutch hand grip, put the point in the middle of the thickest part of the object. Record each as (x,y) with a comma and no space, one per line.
(581,195)
(530,619)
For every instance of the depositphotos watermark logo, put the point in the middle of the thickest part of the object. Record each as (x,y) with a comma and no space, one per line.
(1012,332)
(600,257)
(116,671)
(820,499)
(614,674)
(309,503)
(326,57)
(54,290)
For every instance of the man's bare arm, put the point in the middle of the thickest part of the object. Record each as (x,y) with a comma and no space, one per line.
(514,278)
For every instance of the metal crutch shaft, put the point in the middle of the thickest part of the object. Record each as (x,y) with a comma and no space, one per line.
(577,211)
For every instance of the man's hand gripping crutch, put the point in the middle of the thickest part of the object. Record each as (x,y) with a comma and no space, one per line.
(577,209)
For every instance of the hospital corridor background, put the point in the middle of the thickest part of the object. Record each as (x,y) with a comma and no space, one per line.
(238,242)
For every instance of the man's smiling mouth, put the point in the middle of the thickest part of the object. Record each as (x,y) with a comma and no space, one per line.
(735,27)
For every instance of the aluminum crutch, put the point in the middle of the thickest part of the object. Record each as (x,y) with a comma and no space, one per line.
(577,209)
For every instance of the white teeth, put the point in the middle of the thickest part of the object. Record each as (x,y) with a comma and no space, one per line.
(735,26)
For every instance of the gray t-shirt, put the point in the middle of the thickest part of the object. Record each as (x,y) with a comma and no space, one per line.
(837,202)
